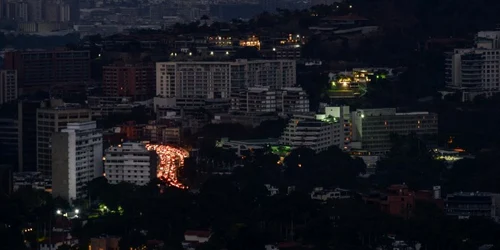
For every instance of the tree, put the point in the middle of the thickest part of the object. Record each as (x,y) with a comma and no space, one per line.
(409,162)
(247,53)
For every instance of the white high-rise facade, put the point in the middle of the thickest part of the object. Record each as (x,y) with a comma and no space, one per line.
(317,132)
(208,80)
(76,159)
(475,71)
(129,162)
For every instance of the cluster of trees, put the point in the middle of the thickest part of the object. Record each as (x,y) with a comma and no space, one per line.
(27,208)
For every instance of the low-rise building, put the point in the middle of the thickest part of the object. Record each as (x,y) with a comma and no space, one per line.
(322,194)
(56,240)
(465,205)
(397,200)
(34,180)
(130,162)
(242,147)
(374,127)
(192,239)
(246,119)
(266,100)
(272,190)
(108,243)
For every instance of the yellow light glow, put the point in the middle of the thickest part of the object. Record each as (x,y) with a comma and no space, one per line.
(171,159)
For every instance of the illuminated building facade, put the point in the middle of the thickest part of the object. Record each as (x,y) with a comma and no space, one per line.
(221,41)
(76,159)
(252,41)
(351,84)
(373,127)
(130,162)
(289,48)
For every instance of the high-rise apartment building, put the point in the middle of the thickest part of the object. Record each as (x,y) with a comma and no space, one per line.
(317,132)
(488,39)
(8,86)
(266,100)
(292,100)
(217,80)
(344,115)
(475,71)
(45,70)
(76,159)
(254,100)
(9,142)
(35,10)
(26,114)
(49,121)
(137,81)
(374,127)
(130,162)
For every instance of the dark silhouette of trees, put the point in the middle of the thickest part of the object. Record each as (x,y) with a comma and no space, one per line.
(410,162)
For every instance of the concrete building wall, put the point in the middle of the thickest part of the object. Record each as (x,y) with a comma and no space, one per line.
(60,163)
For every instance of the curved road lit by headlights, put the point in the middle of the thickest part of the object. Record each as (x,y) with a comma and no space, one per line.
(169,162)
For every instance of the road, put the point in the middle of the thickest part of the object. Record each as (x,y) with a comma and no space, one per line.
(169,162)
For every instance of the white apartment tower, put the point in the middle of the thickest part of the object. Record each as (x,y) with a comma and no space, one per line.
(316,132)
(475,71)
(8,86)
(76,159)
(130,162)
(188,82)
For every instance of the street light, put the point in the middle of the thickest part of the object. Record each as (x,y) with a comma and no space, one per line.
(77,211)
(58,211)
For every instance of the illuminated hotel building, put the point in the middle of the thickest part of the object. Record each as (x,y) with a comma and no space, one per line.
(76,159)
(252,41)
(373,127)
(289,48)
